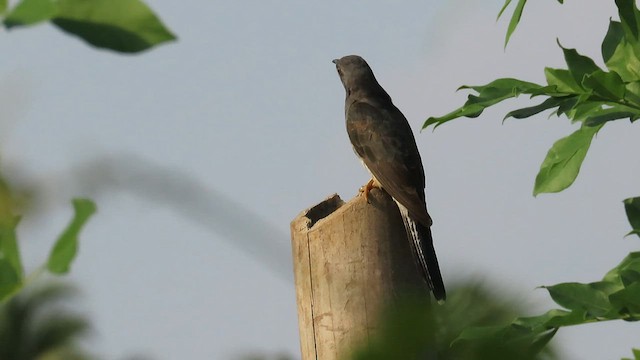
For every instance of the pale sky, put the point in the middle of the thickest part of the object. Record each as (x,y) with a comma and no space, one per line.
(245,111)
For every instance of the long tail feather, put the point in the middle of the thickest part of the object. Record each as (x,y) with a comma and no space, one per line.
(424,253)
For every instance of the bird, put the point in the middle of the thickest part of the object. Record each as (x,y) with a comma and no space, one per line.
(383,140)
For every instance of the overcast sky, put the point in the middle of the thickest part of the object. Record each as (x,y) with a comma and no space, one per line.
(199,154)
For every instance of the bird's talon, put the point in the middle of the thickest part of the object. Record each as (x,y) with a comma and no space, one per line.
(365,189)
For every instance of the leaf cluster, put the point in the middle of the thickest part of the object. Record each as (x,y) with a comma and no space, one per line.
(583,92)
(126,26)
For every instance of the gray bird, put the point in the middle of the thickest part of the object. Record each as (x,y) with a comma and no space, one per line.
(383,140)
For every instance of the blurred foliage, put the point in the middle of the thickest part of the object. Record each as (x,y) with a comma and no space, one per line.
(12,274)
(636,355)
(127,26)
(414,329)
(34,325)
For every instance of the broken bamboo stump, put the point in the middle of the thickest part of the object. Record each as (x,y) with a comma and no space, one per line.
(350,260)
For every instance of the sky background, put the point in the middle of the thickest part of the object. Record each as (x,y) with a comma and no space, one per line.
(199,153)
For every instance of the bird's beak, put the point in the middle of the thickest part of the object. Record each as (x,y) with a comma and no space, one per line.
(335,61)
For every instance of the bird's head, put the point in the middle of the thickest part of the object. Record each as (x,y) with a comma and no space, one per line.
(354,72)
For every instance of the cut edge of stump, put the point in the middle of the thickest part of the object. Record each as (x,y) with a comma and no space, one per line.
(322,210)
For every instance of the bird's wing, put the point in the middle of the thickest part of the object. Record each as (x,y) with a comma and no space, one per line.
(385,142)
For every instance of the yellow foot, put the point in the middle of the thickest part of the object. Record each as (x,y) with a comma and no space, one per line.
(364,190)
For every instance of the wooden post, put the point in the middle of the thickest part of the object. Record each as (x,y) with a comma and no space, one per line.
(349,260)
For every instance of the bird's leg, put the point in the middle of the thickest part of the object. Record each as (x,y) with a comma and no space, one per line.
(364,190)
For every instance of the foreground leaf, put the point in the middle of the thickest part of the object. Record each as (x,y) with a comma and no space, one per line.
(66,247)
(579,65)
(620,54)
(533,110)
(632,208)
(627,301)
(515,20)
(488,95)
(120,25)
(561,166)
(630,18)
(30,12)
(607,85)
(10,280)
(580,297)
(9,250)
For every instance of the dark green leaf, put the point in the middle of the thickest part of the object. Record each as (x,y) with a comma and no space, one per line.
(10,280)
(627,300)
(9,250)
(620,54)
(629,277)
(120,25)
(605,115)
(541,323)
(579,65)
(608,85)
(542,340)
(580,297)
(567,105)
(562,163)
(585,108)
(515,20)
(632,207)
(530,111)
(66,247)
(615,35)
(29,12)
(629,17)
(630,263)
(632,94)
(488,95)
(563,81)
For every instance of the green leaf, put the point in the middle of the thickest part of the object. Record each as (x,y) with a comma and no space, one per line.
(562,164)
(607,85)
(542,340)
(488,95)
(616,112)
(632,94)
(120,25)
(504,7)
(580,297)
(3,6)
(620,54)
(563,81)
(9,250)
(629,16)
(30,12)
(515,20)
(541,322)
(533,110)
(10,280)
(627,300)
(579,65)
(66,247)
(632,208)
(630,262)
